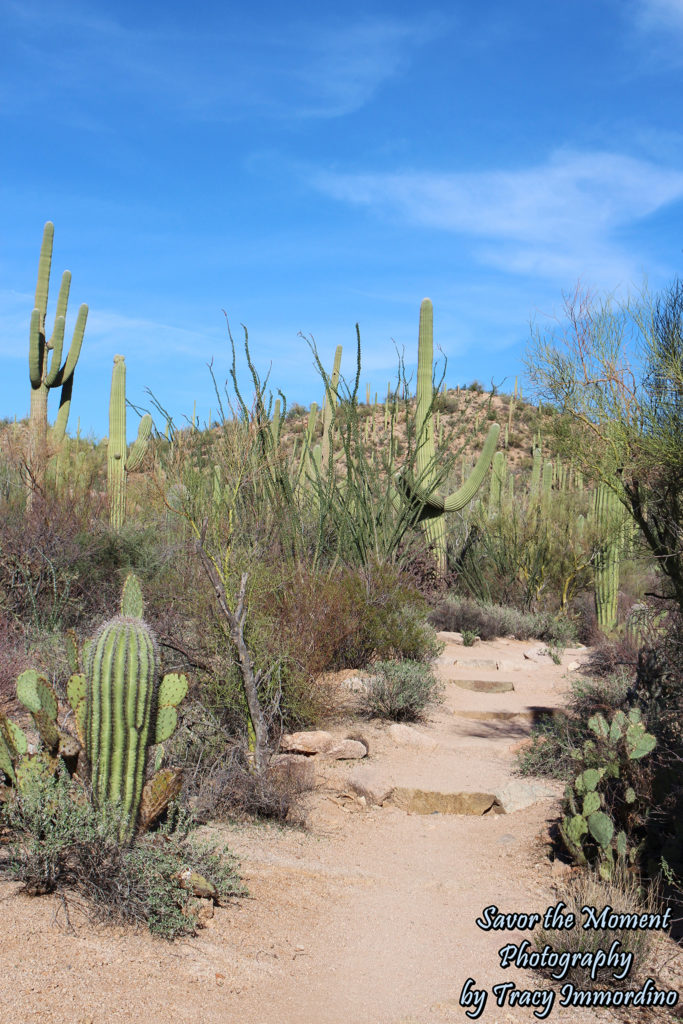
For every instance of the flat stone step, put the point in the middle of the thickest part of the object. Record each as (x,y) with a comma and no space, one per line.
(485,685)
(427,801)
(490,664)
(492,716)
(529,714)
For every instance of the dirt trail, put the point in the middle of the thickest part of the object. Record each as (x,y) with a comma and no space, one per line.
(369,915)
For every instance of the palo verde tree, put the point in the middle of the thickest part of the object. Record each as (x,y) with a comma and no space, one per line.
(616,370)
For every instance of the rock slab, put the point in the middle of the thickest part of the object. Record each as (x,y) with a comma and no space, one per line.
(424,801)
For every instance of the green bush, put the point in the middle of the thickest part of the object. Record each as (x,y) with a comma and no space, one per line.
(57,841)
(400,690)
(489,621)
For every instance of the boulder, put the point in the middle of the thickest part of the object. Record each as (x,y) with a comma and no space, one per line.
(518,794)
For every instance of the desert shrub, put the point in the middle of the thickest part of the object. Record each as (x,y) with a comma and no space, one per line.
(218,780)
(555,738)
(603,693)
(295,411)
(658,692)
(57,842)
(548,753)
(459,614)
(623,893)
(348,618)
(399,690)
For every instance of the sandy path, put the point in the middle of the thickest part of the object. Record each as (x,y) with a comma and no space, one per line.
(368,915)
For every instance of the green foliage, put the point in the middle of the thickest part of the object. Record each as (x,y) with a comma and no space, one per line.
(489,621)
(469,636)
(606,804)
(626,432)
(59,842)
(400,690)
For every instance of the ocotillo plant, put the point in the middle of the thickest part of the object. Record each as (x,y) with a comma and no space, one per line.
(429,506)
(46,369)
(119,461)
(121,710)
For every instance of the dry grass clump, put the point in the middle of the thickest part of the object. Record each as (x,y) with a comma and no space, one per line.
(624,895)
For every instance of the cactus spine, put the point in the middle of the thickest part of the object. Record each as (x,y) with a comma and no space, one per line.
(45,371)
(119,461)
(429,506)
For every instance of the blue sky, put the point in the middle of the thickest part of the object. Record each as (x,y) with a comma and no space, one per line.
(306,167)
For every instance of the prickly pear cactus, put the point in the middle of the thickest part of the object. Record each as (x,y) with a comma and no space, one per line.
(601,796)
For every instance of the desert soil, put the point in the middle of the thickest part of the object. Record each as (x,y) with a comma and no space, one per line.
(367,914)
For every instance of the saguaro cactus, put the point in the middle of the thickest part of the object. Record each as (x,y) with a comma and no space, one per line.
(120,462)
(430,507)
(46,369)
(120,710)
(607,517)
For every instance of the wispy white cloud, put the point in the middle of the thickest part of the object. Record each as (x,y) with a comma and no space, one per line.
(313,69)
(659,15)
(557,220)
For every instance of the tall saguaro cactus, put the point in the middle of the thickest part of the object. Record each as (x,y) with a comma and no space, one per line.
(120,462)
(431,507)
(46,369)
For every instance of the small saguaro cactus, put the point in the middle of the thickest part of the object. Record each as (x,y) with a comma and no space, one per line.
(121,710)
(120,461)
(46,369)
(430,507)
(608,521)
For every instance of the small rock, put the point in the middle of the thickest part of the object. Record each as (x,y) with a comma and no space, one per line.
(517,795)
(407,736)
(573,665)
(195,883)
(537,653)
(346,750)
(315,742)
(370,785)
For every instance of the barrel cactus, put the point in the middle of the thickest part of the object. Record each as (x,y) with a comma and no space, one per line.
(121,709)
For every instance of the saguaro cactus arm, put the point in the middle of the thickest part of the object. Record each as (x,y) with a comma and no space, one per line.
(47,371)
(421,493)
